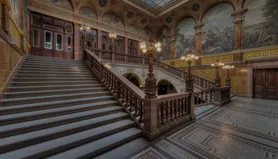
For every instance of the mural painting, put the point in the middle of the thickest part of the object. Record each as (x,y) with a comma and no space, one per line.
(218,30)
(113,19)
(147,33)
(164,37)
(132,29)
(15,10)
(185,36)
(60,3)
(86,11)
(261,23)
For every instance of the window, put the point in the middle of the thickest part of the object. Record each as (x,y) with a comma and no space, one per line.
(69,47)
(36,38)
(48,40)
(59,43)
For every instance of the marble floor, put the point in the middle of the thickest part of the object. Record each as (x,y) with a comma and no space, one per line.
(245,129)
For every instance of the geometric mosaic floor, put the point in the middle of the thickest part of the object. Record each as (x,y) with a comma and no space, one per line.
(245,129)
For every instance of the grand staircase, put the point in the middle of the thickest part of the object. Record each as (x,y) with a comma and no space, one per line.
(56,108)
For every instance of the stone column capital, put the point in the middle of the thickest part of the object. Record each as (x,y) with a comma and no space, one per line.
(199,26)
(239,12)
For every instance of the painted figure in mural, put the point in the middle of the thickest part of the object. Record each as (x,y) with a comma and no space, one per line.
(261,23)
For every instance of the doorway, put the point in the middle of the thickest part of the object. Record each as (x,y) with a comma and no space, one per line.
(265,83)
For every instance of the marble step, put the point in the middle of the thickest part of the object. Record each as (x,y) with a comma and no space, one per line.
(97,147)
(50,98)
(54,72)
(49,75)
(129,149)
(53,83)
(37,124)
(52,92)
(75,145)
(42,135)
(51,87)
(9,117)
(48,79)
(54,69)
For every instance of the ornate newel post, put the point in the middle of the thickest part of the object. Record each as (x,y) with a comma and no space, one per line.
(189,58)
(217,65)
(150,48)
(238,35)
(228,79)
(150,106)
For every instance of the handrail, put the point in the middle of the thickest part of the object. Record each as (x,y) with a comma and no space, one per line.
(203,97)
(130,99)
(153,116)
(109,56)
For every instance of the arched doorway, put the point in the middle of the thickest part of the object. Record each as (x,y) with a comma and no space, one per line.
(165,87)
(133,78)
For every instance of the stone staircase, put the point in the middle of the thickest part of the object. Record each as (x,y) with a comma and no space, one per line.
(56,108)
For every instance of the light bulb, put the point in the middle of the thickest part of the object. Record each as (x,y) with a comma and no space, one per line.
(159,49)
(182,58)
(144,50)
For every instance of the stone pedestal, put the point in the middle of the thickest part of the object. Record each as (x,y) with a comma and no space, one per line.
(222,95)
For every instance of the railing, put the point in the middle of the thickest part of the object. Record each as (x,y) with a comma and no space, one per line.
(203,97)
(133,59)
(171,108)
(153,116)
(128,97)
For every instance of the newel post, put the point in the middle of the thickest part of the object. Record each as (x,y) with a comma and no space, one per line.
(191,105)
(150,119)
(221,95)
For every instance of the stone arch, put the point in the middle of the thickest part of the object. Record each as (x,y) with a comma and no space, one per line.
(113,19)
(163,35)
(185,36)
(165,87)
(218,29)
(216,4)
(133,78)
(87,11)
(65,4)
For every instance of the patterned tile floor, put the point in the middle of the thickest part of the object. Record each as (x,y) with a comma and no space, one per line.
(245,129)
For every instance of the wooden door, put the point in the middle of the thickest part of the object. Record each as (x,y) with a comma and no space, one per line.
(266,83)
(271,84)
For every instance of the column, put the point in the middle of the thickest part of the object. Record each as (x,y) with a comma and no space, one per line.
(172,46)
(198,42)
(126,45)
(76,52)
(238,22)
(238,34)
(99,43)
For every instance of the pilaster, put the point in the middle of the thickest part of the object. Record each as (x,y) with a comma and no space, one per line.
(99,39)
(172,46)
(5,6)
(198,41)
(76,52)
(238,25)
